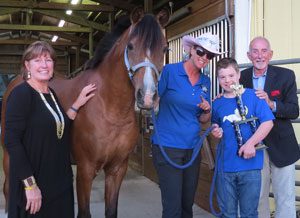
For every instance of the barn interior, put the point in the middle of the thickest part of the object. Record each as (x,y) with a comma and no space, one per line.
(73,27)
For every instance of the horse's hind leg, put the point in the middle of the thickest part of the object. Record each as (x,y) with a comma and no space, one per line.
(84,179)
(113,180)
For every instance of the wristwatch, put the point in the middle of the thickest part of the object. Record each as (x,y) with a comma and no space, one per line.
(206,111)
(29,182)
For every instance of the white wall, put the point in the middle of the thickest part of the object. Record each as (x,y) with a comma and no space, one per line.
(242,11)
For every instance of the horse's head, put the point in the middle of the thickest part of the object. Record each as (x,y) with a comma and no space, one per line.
(144,54)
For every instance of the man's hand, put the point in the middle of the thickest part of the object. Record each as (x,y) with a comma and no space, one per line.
(218,96)
(261,94)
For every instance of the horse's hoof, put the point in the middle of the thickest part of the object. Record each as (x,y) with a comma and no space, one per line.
(84,215)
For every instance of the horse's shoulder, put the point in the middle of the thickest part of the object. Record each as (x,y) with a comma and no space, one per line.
(12,85)
(22,87)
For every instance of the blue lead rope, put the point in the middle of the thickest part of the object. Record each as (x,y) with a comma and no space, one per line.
(194,155)
(196,150)
(219,156)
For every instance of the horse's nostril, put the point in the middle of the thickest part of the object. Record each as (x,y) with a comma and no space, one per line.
(155,96)
(139,97)
(139,94)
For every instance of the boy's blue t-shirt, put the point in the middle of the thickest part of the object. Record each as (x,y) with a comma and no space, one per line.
(224,112)
(177,120)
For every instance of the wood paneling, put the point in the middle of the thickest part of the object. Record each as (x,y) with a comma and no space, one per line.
(149,170)
(203,189)
(202,12)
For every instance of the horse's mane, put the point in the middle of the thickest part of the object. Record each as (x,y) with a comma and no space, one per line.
(108,41)
(148,31)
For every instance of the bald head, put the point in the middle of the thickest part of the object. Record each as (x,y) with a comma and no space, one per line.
(259,39)
(260,54)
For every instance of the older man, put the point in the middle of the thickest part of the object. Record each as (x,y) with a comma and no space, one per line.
(277,86)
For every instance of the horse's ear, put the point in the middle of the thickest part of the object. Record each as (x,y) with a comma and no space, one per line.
(163,17)
(136,14)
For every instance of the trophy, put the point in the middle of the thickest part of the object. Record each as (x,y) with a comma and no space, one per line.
(237,89)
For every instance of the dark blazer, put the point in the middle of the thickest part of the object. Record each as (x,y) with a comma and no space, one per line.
(281,87)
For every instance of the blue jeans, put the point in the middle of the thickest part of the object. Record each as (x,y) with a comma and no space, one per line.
(239,189)
(178,186)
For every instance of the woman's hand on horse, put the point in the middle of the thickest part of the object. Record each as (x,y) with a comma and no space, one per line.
(34,200)
(85,95)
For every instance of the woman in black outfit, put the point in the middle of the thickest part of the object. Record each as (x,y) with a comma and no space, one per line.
(37,138)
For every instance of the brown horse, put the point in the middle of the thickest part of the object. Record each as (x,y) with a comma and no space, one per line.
(105,130)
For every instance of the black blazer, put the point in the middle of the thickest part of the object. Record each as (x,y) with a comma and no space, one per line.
(281,87)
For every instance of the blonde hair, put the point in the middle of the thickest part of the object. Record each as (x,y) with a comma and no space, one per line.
(34,50)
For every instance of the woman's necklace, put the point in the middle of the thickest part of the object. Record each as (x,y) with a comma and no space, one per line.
(60,122)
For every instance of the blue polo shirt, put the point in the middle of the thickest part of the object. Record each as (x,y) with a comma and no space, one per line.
(177,120)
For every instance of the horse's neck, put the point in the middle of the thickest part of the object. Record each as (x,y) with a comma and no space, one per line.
(67,90)
(115,83)
(114,72)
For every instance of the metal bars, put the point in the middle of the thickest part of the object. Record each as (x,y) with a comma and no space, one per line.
(219,27)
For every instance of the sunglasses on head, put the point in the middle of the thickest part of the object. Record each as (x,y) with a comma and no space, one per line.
(201,52)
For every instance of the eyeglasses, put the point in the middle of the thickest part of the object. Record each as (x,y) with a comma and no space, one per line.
(201,52)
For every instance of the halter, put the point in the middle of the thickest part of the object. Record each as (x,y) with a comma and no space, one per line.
(132,70)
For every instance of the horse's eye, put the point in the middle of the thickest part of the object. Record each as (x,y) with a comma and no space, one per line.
(130,46)
(166,49)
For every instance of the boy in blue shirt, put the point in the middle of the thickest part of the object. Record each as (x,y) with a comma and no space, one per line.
(239,176)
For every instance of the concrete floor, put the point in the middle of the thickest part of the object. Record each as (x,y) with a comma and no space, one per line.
(139,198)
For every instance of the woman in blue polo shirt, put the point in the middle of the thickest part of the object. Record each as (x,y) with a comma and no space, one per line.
(184,104)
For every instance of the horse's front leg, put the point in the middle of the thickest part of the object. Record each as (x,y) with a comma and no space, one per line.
(113,180)
(84,179)
(6,176)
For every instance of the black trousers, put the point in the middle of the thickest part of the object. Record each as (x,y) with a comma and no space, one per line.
(178,186)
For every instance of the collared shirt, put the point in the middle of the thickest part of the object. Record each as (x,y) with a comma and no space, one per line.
(178,125)
(259,83)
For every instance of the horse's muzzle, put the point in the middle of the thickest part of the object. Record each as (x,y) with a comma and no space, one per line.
(145,101)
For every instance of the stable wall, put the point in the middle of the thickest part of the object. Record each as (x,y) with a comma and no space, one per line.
(201,12)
